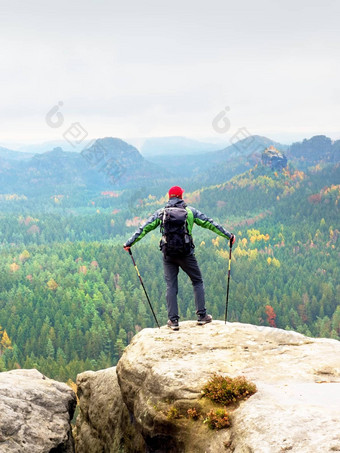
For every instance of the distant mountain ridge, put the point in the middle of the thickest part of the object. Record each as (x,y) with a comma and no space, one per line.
(10,154)
(217,166)
(113,163)
(109,161)
(315,149)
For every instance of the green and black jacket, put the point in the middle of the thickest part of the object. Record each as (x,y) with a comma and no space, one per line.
(194,216)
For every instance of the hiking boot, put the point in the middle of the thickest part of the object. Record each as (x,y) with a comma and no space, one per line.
(173,324)
(204,320)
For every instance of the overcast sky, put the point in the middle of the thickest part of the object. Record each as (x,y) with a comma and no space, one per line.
(144,68)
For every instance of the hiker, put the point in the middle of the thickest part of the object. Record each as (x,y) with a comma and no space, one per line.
(176,220)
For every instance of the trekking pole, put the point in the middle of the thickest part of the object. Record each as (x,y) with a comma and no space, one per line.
(226,302)
(140,279)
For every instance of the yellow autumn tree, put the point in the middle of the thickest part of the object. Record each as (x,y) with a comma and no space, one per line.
(52,284)
(5,341)
(223,253)
(14,267)
(216,242)
(74,387)
(276,262)
(24,256)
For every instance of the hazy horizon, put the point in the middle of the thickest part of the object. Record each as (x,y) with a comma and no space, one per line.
(137,142)
(154,69)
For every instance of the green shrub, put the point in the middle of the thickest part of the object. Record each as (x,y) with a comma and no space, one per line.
(217,419)
(173,413)
(226,390)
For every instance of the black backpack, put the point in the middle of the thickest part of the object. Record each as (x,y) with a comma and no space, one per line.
(176,240)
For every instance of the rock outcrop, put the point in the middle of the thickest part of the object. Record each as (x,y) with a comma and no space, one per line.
(35,413)
(104,424)
(161,375)
(273,158)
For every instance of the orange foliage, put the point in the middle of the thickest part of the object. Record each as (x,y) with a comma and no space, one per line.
(82,270)
(136,221)
(12,196)
(316,198)
(334,190)
(271,315)
(110,193)
(34,229)
(28,220)
(14,267)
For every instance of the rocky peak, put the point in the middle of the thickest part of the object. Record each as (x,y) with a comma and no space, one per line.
(161,375)
(273,158)
(115,147)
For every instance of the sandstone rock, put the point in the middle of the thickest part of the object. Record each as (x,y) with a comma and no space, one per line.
(104,423)
(296,408)
(273,158)
(35,413)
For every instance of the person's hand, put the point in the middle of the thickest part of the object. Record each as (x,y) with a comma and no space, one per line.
(127,248)
(232,239)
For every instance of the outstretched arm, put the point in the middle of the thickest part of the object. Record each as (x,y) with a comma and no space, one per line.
(206,222)
(152,223)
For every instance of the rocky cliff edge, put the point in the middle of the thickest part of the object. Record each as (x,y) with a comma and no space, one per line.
(141,406)
(35,413)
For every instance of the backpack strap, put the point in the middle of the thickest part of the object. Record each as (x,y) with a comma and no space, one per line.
(161,217)
(190,220)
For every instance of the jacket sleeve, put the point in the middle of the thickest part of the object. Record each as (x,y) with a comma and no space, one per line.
(153,222)
(205,222)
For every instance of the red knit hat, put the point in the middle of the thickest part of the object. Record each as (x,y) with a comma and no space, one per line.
(176,191)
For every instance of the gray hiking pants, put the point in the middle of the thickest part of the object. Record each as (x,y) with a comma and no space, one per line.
(190,266)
